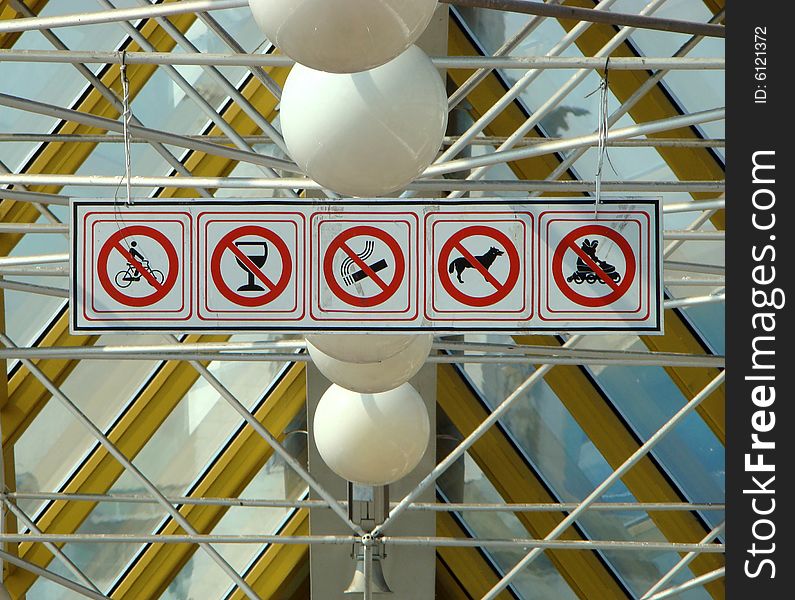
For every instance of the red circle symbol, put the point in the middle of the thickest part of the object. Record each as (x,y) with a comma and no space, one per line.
(501,289)
(274,288)
(618,289)
(340,243)
(145,272)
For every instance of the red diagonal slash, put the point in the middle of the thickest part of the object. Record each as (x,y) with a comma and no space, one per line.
(363,266)
(135,263)
(255,270)
(479,266)
(596,268)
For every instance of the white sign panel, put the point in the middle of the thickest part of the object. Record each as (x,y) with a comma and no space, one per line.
(427,265)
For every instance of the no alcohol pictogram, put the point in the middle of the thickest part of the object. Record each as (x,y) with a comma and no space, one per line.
(140,283)
(248,274)
(478,247)
(364,254)
(607,283)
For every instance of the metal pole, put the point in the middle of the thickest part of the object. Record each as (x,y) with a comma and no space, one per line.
(608,483)
(62,581)
(467,442)
(137,473)
(553,101)
(33,228)
(594,16)
(41,208)
(677,265)
(687,585)
(693,300)
(641,92)
(32,288)
(508,97)
(429,506)
(25,196)
(196,58)
(35,271)
(423,185)
(696,205)
(695,235)
(695,282)
(53,548)
(222,348)
(85,353)
(697,223)
(500,156)
(484,140)
(271,440)
(437,542)
(37,259)
(147,133)
(445,542)
(258,72)
(368,567)
(215,74)
(683,562)
(481,74)
(119,14)
(106,92)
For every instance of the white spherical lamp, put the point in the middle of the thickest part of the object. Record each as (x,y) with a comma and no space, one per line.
(378,376)
(365,134)
(342,36)
(371,439)
(360,347)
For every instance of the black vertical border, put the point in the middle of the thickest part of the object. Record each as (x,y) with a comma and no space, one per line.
(759,119)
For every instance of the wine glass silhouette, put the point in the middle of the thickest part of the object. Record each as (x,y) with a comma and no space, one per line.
(250,250)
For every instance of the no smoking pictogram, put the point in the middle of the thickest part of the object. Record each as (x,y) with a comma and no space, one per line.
(449,269)
(251,257)
(593,272)
(360,267)
(139,269)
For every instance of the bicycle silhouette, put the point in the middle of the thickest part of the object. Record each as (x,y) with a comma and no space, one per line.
(126,277)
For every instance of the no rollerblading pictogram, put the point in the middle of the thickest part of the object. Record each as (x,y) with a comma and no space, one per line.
(591,271)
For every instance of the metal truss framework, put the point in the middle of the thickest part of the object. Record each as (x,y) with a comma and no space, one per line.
(204,162)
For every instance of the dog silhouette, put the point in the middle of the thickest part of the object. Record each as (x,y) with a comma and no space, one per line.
(487,259)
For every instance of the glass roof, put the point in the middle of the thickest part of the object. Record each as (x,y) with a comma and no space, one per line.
(178,444)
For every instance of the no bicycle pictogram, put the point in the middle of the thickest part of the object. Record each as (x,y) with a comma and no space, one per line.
(139,273)
(251,256)
(500,248)
(358,266)
(590,270)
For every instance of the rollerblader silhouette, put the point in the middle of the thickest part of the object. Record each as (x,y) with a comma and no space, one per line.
(584,273)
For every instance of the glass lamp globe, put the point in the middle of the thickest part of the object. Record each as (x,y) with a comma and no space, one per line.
(342,36)
(360,347)
(371,439)
(379,376)
(365,134)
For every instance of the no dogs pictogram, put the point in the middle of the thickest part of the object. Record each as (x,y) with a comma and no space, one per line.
(501,249)
(590,270)
(139,272)
(357,266)
(251,256)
